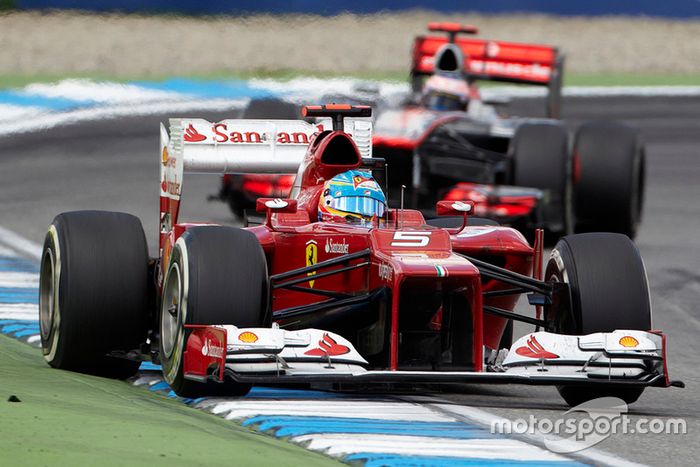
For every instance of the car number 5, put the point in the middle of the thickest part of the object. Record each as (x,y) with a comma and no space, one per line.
(411,239)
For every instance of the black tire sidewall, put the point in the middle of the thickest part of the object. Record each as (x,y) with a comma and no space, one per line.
(540,159)
(609,192)
(607,280)
(102,291)
(609,291)
(226,283)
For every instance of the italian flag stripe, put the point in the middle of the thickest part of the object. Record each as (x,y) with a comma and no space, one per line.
(441,271)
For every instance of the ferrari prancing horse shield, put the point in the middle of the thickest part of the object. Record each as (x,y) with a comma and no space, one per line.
(311,258)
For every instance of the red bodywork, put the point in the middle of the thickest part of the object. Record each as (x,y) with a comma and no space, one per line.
(406,257)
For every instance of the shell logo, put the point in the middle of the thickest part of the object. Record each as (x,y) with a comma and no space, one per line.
(247,337)
(628,341)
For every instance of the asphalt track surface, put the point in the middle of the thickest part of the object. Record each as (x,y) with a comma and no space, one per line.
(113,165)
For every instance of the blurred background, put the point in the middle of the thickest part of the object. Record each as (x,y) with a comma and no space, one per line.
(626,42)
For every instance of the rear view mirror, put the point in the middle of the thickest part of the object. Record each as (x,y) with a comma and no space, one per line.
(273,206)
(276,205)
(454,208)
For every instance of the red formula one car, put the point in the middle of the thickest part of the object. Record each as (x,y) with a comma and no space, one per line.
(366,295)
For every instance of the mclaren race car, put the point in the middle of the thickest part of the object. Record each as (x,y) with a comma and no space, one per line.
(444,141)
(335,286)
(449,143)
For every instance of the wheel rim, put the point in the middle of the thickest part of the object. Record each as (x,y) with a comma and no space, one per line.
(47,294)
(170,313)
(559,274)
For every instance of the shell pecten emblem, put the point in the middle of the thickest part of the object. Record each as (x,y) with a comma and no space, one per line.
(248,337)
(628,341)
(311,258)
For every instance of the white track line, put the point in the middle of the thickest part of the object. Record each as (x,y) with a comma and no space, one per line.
(20,244)
(488,419)
(245,408)
(21,311)
(10,113)
(19,279)
(339,444)
(104,92)
(50,120)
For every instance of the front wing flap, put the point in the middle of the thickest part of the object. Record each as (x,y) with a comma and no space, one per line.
(273,355)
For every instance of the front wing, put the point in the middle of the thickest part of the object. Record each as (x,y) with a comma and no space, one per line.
(277,356)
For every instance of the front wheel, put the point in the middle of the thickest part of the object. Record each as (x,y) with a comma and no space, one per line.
(93,293)
(609,291)
(216,275)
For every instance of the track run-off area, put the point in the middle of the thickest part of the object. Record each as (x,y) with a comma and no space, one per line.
(100,152)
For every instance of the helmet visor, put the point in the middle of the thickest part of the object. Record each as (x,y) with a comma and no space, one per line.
(442,101)
(361,205)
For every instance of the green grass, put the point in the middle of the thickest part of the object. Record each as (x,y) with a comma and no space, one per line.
(70,419)
(571,79)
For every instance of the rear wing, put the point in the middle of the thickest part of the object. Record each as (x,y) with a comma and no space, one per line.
(242,146)
(509,62)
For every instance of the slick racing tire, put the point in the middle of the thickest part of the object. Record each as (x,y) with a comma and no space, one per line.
(609,291)
(540,157)
(93,293)
(216,275)
(455,222)
(608,175)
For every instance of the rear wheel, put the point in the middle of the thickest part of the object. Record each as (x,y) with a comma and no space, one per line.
(609,171)
(93,293)
(540,157)
(609,291)
(217,275)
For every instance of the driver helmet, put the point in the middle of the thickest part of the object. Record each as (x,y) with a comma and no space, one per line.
(352,197)
(442,92)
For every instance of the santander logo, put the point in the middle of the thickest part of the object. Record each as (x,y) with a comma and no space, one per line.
(221,133)
(337,247)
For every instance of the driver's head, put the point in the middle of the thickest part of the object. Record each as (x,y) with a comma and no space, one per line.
(352,197)
(441,92)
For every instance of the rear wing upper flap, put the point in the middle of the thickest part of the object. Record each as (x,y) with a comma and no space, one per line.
(254,146)
(244,146)
(503,61)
